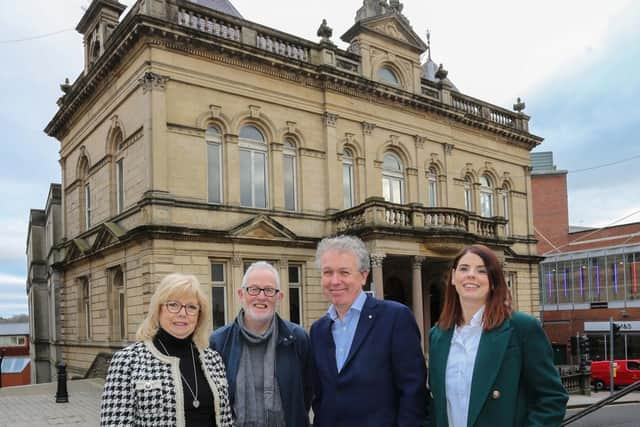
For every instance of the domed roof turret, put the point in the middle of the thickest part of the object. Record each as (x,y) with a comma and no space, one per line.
(223,6)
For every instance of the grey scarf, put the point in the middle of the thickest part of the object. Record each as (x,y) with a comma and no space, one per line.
(251,412)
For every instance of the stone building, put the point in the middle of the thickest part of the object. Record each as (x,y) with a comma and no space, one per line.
(197,141)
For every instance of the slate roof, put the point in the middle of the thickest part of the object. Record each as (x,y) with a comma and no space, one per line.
(14,329)
(223,6)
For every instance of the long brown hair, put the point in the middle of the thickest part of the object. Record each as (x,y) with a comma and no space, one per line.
(498,306)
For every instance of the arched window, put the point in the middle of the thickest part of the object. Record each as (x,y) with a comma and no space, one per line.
(432,187)
(115,146)
(392,179)
(388,76)
(289,174)
(486,196)
(468,193)
(253,167)
(505,195)
(347,178)
(214,164)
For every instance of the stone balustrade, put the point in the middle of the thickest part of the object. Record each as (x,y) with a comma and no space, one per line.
(282,47)
(376,212)
(209,24)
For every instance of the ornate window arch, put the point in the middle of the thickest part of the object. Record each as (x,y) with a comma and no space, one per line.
(84,192)
(392,178)
(254,156)
(388,75)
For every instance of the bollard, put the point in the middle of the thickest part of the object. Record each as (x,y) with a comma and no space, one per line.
(61,395)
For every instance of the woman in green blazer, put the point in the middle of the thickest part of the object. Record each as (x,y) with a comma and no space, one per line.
(488,365)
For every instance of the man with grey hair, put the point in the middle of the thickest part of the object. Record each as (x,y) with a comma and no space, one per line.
(268,359)
(369,369)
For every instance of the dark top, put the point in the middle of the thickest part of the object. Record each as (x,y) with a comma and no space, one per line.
(203,415)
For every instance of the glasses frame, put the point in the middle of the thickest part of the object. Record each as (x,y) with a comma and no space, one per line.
(185,306)
(263,290)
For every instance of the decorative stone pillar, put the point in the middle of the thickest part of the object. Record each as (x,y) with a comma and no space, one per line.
(376,267)
(416,295)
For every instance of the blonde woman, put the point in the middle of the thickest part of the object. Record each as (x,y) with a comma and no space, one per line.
(169,377)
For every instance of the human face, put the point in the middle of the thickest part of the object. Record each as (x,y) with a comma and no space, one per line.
(259,309)
(341,279)
(471,280)
(179,324)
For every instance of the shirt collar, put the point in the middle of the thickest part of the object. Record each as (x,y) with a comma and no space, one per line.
(357,305)
(476,320)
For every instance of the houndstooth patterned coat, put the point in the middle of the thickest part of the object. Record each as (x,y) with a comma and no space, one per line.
(144,388)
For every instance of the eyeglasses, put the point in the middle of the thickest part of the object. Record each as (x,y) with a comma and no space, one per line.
(175,307)
(254,291)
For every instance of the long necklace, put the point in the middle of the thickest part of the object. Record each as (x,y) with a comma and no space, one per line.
(196,402)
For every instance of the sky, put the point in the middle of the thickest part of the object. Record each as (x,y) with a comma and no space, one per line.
(575,63)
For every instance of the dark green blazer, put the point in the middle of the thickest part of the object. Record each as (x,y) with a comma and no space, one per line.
(515,383)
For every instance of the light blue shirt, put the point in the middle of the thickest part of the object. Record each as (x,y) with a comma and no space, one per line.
(343,331)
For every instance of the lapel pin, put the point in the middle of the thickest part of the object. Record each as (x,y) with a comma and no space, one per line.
(370,317)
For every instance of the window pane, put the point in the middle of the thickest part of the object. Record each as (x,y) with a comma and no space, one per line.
(386,75)
(218,306)
(391,163)
(251,132)
(396,191)
(120,185)
(294,305)
(347,185)
(246,178)
(121,311)
(213,134)
(289,183)
(217,272)
(260,183)
(294,274)
(214,173)
(386,189)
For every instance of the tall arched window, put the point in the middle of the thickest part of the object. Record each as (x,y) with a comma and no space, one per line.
(115,147)
(289,174)
(85,193)
(468,193)
(214,164)
(253,167)
(486,196)
(388,76)
(347,179)
(432,187)
(392,179)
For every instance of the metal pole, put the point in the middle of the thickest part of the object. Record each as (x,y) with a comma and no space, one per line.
(611,355)
(1,359)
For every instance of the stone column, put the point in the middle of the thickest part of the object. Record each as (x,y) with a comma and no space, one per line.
(416,295)
(376,267)
(333,171)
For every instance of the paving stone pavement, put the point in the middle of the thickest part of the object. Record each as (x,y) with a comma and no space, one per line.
(35,405)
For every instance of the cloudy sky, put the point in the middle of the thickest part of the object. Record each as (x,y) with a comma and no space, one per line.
(576,64)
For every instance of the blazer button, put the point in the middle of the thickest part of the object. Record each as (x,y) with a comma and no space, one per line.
(431,394)
(495,394)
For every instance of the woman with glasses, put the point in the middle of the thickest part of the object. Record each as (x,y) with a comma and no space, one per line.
(489,365)
(169,377)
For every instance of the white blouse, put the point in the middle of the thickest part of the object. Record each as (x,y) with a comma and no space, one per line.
(462,358)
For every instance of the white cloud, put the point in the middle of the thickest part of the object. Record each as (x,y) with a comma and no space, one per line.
(11,280)
(13,235)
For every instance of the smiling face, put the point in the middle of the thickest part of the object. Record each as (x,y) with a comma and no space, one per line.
(341,279)
(471,280)
(179,324)
(259,309)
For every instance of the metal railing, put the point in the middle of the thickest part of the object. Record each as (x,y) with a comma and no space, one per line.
(604,402)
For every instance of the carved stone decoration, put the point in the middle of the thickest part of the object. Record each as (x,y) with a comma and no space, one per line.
(441,74)
(236,261)
(325,32)
(151,81)
(420,140)
(254,111)
(348,137)
(291,127)
(66,86)
(215,111)
(330,119)
(376,260)
(448,148)
(368,127)
(417,262)
(519,106)
(393,140)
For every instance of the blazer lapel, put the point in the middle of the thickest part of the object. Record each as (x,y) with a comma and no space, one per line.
(493,345)
(438,367)
(365,324)
(327,340)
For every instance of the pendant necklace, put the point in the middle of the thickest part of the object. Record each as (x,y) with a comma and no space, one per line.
(196,402)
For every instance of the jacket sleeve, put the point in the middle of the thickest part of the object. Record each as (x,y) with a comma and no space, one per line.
(306,361)
(547,396)
(409,370)
(117,407)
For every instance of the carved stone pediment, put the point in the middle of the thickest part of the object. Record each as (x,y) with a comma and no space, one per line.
(109,234)
(390,26)
(262,227)
(391,29)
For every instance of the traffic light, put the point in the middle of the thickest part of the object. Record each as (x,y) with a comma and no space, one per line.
(586,347)
(615,329)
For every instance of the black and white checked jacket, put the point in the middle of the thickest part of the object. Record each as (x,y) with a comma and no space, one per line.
(144,388)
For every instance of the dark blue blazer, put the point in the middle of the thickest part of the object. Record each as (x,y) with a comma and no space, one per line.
(383,381)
